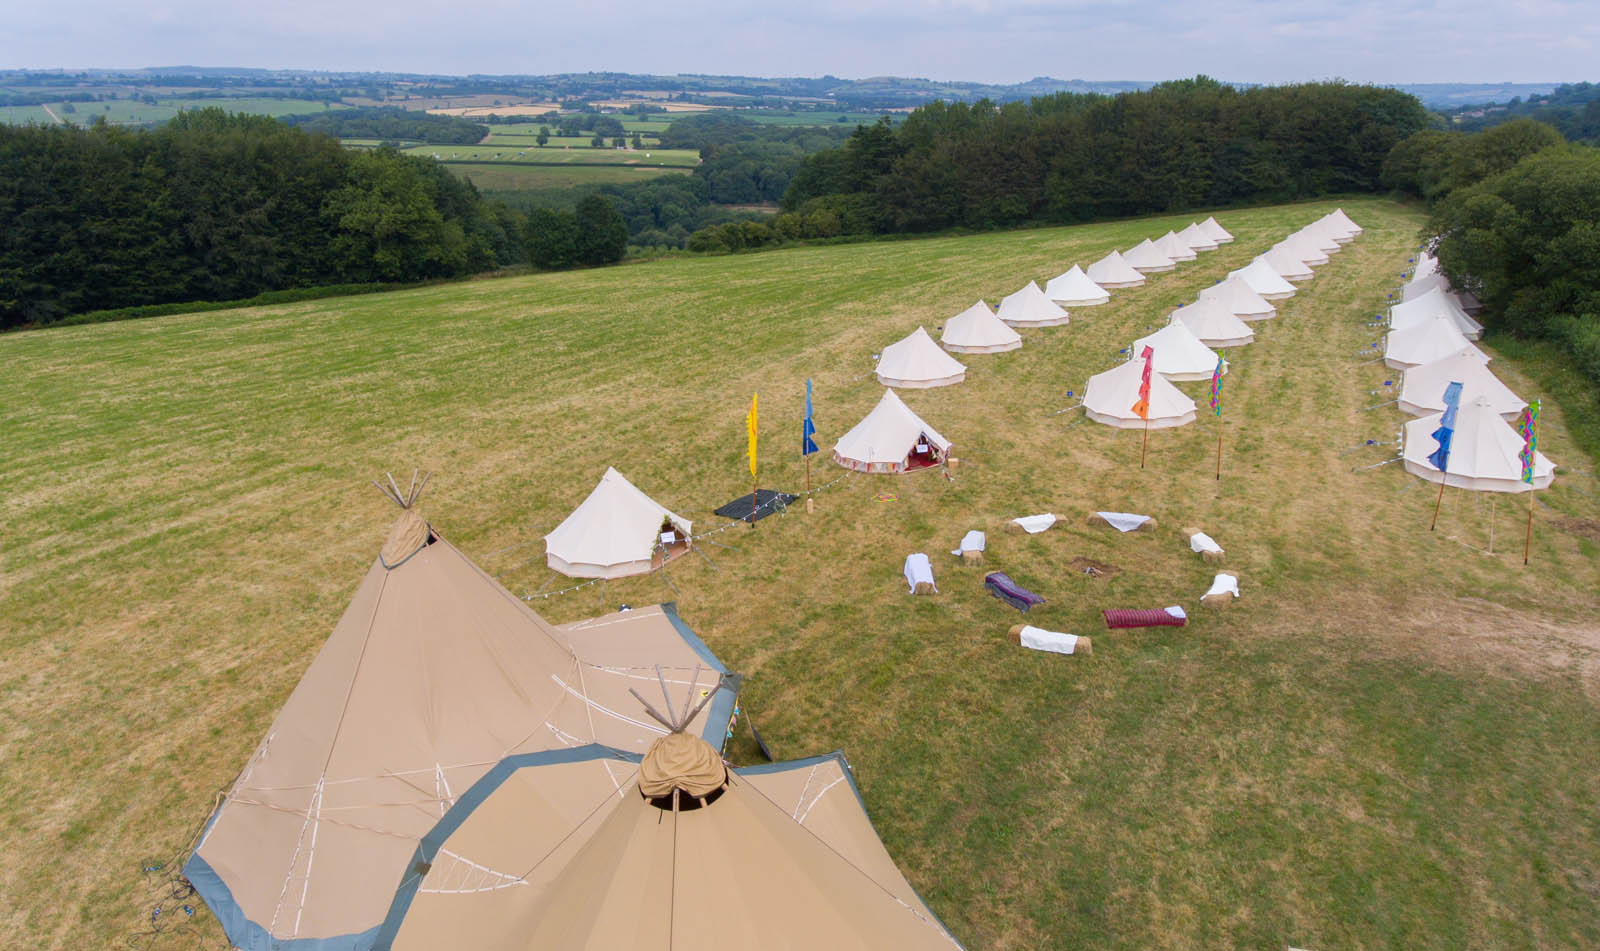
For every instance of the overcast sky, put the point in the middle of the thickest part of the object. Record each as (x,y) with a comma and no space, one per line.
(981,40)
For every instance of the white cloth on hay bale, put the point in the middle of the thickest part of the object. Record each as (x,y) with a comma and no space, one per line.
(1200,543)
(1224,584)
(919,570)
(1175,611)
(971,541)
(1039,639)
(1034,524)
(1123,521)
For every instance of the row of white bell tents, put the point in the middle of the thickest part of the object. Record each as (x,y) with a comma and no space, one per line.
(1424,307)
(1418,286)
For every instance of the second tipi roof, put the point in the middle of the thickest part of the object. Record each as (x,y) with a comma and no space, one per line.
(917,362)
(1114,271)
(886,436)
(1031,307)
(611,533)
(1073,288)
(1177,353)
(978,330)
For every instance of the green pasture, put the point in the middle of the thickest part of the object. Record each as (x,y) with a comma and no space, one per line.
(134,112)
(1391,741)
(550,155)
(519,177)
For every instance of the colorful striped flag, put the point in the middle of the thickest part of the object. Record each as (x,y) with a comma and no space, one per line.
(1447,426)
(1530,439)
(1141,408)
(807,429)
(1216,388)
(750,429)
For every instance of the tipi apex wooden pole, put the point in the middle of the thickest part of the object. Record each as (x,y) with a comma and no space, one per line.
(1436,506)
(1527,540)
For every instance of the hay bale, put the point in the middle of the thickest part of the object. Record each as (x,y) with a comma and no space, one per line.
(923,588)
(952,463)
(1094,519)
(1190,532)
(1211,556)
(1014,528)
(1223,600)
(973,556)
(1148,526)
(1083,645)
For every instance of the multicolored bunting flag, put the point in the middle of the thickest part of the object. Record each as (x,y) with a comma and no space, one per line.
(807,430)
(1530,439)
(1447,426)
(750,429)
(1141,408)
(1216,388)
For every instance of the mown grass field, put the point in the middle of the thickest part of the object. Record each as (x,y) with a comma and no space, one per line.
(534,155)
(518,177)
(133,112)
(1391,741)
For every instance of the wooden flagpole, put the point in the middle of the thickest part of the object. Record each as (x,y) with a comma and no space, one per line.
(1436,505)
(1219,449)
(1146,441)
(1527,541)
(808,481)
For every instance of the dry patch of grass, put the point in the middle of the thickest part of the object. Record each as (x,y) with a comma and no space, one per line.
(1357,755)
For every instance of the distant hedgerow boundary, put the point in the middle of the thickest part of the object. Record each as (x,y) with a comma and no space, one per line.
(290,296)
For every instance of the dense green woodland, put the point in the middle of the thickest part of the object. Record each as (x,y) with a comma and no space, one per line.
(1517,214)
(213,206)
(393,125)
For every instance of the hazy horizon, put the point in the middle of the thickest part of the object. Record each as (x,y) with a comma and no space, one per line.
(988,41)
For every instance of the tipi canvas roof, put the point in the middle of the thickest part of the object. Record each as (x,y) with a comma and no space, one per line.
(1264,279)
(1424,343)
(1031,307)
(1419,286)
(1109,397)
(1338,217)
(1113,271)
(1073,288)
(768,856)
(612,534)
(1422,388)
(1426,264)
(1195,237)
(1175,247)
(1146,258)
(1318,235)
(916,362)
(1213,324)
(1305,248)
(1425,307)
(1241,300)
(1485,452)
(434,673)
(884,439)
(1179,355)
(978,330)
(1215,231)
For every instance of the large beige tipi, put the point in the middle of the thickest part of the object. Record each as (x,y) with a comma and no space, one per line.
(891,439)
(434,674)
(916,362)
(599,850)
(1113,272)
(1030,307)
(1073,288)
(617,531)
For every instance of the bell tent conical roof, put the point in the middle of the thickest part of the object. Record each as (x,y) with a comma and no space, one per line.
(1215,231)
(613,533)
(1211,323)
(1240,299)
(1073,288)
(1109,398)
(1426,342)
(916,362)
(978,330)
(1485,452)
(1175,247)
(1030,307)
(1425,307)
(1196,238)
(885,438)
(1146,258)
(1179,355)
(1264,279)
(1422,388)
(1114,272)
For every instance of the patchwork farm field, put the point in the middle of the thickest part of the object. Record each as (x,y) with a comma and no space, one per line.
(518,177)
(531,154)
(1391,741)
(133,112)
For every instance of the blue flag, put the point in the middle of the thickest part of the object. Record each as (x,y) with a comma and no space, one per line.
(1447,427)
(807,430)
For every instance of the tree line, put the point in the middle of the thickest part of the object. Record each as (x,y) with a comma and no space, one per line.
(392,124)
(1516,211)
(215,206)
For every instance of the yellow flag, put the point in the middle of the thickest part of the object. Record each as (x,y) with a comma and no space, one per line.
(750,428)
